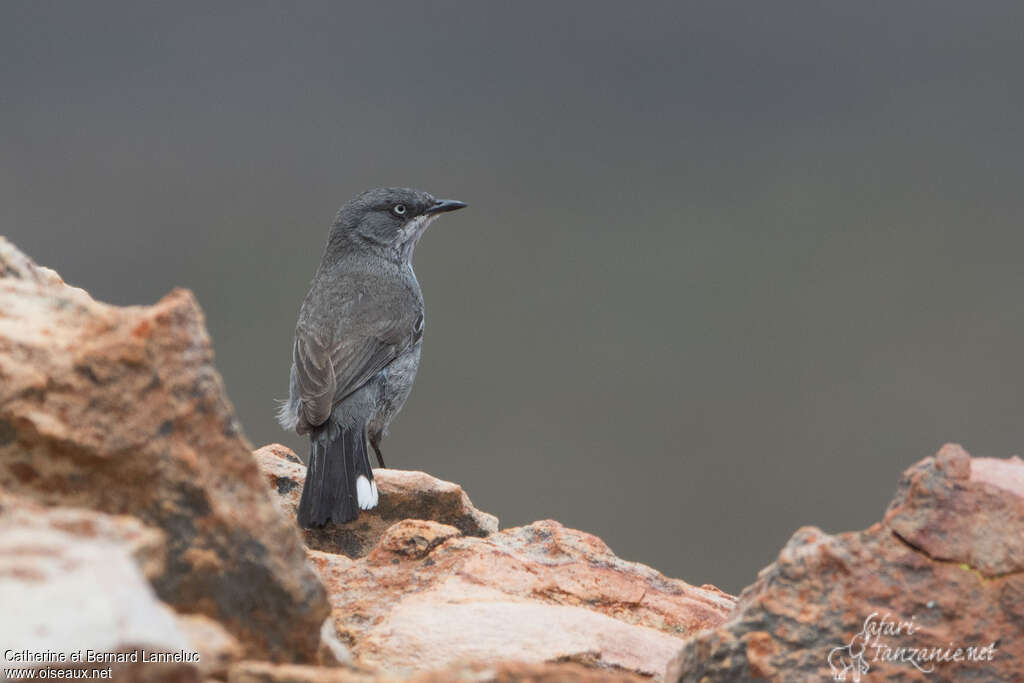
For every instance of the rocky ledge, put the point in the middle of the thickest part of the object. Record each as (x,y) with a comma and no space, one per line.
(441,585)
(135,519)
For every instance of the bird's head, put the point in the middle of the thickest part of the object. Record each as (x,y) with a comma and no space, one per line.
(389,218)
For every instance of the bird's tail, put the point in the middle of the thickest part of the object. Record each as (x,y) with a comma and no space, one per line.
(339,481)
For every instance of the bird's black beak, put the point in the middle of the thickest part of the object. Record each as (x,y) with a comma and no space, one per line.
(444,205)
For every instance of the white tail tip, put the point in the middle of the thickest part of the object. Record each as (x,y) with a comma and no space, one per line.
(366,493)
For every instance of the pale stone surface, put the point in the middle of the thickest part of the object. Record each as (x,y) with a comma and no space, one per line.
(66,593)
(426,632)
(427,597)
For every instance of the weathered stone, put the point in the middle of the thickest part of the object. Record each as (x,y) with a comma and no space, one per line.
(121,410)
(88,534)
(403,495)
(265,672)
(428,598)
(147,545)
(945,560)
(332,652)
(470,672)
(67,592)
(14,265)
(217,648)
(956,509)
(523,672)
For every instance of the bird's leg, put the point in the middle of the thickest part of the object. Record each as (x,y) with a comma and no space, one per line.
(376,449)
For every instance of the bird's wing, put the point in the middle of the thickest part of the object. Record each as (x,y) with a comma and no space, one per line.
(365,341)
(314,376)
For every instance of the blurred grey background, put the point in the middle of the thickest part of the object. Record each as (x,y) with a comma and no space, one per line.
(728,269)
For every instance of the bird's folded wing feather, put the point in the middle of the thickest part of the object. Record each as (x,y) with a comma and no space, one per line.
(328,370)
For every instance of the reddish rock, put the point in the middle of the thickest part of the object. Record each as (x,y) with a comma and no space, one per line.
(955,508)
(121,410)
(403,495)
(946,560)
(523,672)
(265,672)
(427,597)
(217,649)
(470,672)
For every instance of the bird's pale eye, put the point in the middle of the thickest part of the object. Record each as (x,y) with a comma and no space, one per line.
(399,209)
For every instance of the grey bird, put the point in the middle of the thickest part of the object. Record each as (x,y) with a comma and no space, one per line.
(357,347)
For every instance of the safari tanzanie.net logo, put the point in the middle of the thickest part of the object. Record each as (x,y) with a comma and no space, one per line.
(879,641)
